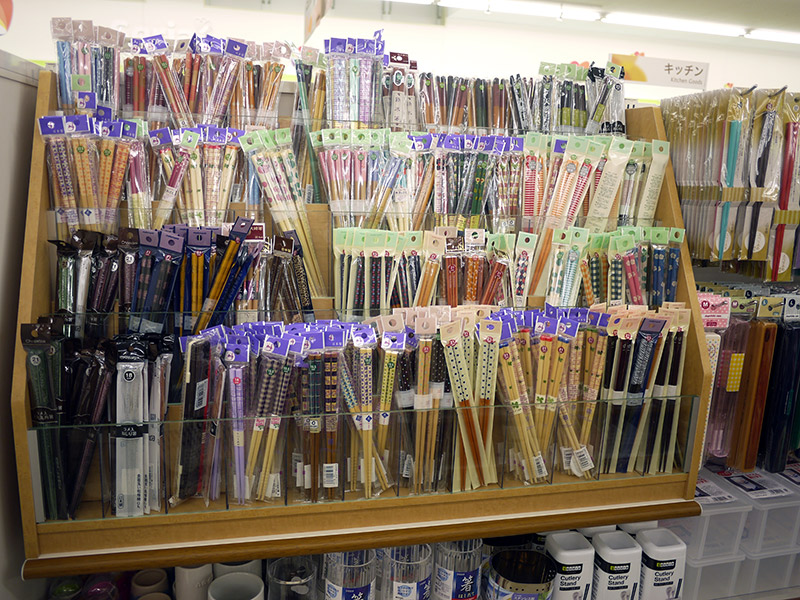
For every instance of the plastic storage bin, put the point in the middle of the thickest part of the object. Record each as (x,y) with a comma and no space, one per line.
(771,526)
(764,571)
(717,532)
(794,574)
(709,578)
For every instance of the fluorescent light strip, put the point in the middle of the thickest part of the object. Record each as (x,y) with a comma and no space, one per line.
(670,24)
(578,13)
(774,35)
(465,4)
(523,7)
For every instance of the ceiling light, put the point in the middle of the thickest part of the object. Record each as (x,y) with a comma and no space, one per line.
(467,4)
(412,1)
(670,24)
(523,7)
(579,13)
(775,35)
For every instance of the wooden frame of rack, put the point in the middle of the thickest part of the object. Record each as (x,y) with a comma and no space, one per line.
(110,544)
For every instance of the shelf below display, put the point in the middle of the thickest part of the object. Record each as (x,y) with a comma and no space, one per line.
(270,531)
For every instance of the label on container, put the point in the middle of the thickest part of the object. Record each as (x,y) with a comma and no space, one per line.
(755,484)
(412,591)
(330,475)
(456,585)
(614,580)
(336,592)
(495,592)
(661,579)
(573,578)
(792,473)
(708,492)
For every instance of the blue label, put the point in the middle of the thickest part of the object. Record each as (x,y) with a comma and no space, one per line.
(424,589)
(357,593)
(236,48)
(51,125)
(465,585)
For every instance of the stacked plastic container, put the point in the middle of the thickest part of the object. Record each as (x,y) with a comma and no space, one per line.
(745,539)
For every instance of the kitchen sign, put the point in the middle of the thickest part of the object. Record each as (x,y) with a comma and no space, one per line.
(663,71)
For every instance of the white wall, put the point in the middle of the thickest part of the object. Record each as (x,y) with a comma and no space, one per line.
(18,91)
(470,44)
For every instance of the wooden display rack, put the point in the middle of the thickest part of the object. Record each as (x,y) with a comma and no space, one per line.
(89,546)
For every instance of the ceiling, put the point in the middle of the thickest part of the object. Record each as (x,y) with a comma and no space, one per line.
(771,14)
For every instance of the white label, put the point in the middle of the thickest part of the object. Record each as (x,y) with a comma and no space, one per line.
(330,475)
(539,467)
(408,466)
(201,395)
(274,485)
(708,492)
(383,418)
(423,402)
(566,457)
(367,422)
(755,485)
(404,399)
(307,476)
(374,477)
(583,460)
(447,400)
(297,464)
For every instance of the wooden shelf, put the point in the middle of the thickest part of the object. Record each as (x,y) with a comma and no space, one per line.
(196,534)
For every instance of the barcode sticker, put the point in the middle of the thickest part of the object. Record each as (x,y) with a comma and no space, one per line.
(408,466)
(755,484)
(708,492)
(566,457)
(330,475)
(583,458)
(539,467)
(274,486)
(201,395)
(307,476)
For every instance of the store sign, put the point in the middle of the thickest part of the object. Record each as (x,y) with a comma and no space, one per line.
(663,71)
(315,10)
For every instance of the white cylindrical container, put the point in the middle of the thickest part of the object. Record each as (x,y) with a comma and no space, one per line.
(590,532)
(244,566)
(617,564)
(191,583)
(663,564)
(573,556)
(237,586)
(633,529)
(149,581)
